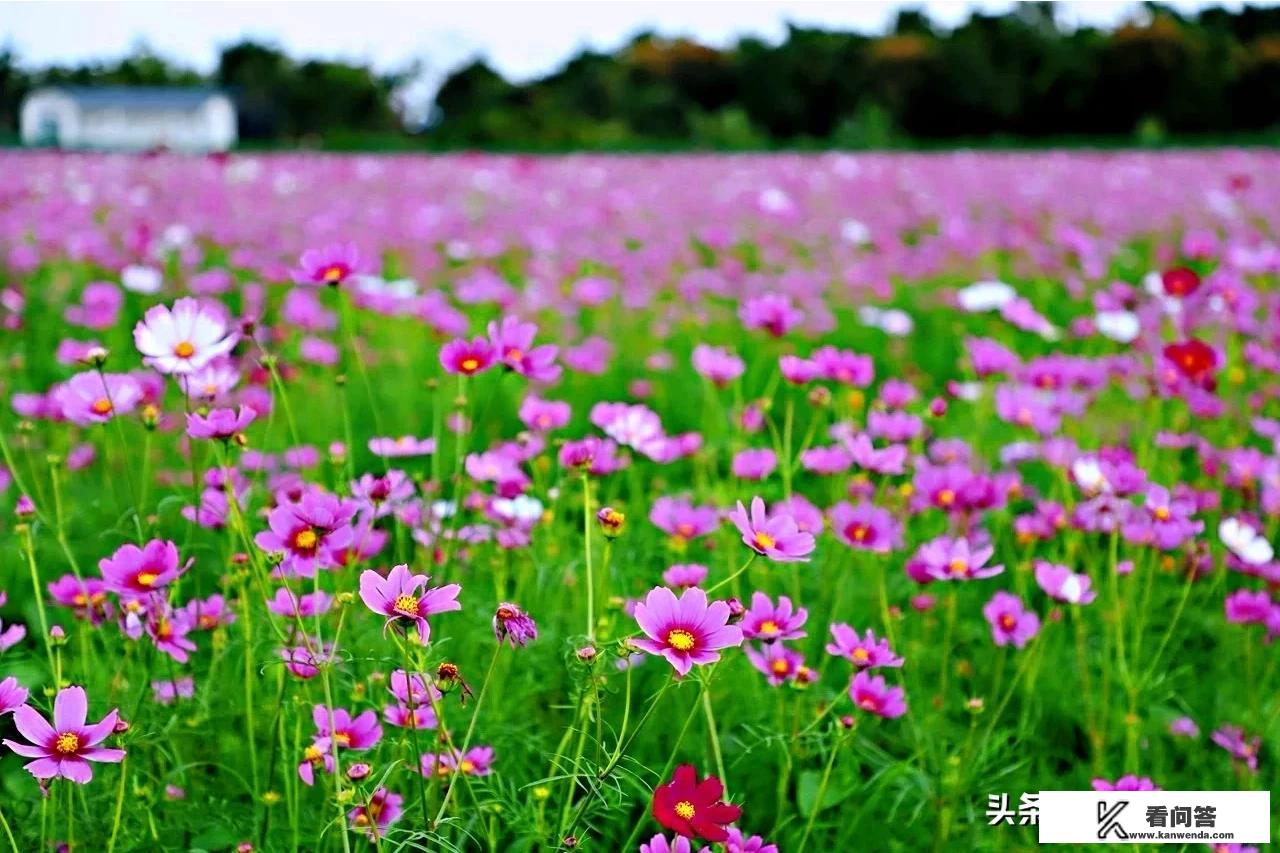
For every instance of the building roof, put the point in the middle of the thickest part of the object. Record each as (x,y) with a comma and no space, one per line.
(137,97)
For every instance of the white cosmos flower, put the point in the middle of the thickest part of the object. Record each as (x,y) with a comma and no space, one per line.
(184,338)
(1120,326)
(1088,473)
(855,232)
(140,279)
(519,508)
(1245,542)
(985,296)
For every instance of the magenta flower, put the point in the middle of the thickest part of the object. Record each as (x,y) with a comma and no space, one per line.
(717,364)
(310,533)
(222,424)
(754,463)
(1184,727)
(778,663)
(512,343)
(12,695)
(844,366)
(947,559)
(132,571)
(184,338)
(1125,783)
(779,538)
(1062,584)
(399,596)
(477,761)
(683,575)
(660,844)
(331,265)
(467,357)
(1010,621)
(739,842)
(65,748)
(682,520)
(685,631)
(797,370)
(865,652)
(512,623)
(866,526)
(871,694)
(1243,748)
(772,312)
(94,398)
(544,415)
(767,622)
(376,816)
(405,445)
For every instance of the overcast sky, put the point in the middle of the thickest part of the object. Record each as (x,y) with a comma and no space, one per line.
(520,39)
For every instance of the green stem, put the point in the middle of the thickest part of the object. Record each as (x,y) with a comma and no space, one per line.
(471,727)
(822,792)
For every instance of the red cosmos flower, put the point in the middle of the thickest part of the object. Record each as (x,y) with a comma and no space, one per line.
(1193,358)
(693,808)
(1180,282)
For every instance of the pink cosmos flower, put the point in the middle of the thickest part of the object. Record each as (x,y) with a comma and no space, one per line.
(871,694)
(685,631)
(717,364)
(512,342)
(222,424)
(382,495)
(866,526)
(512,623)
(739,842)
(544,415)
(682,520)
(399,596)
(467,357)
(376,816)
(310,533)
(754,463)
(797,370)
(477,761)
(184,338)
(132,571)
(1125,783)
(777,537)
(865,652)
(1010,621)
(844,366)
(771,312)
(945,559)
(12,695)
(660,844)
(331,265)
(94,398)
(769,622)
(684,575)
(1242,747)
(1184,727)
(1062,584)
(65,748)
(405,445)
(778,663)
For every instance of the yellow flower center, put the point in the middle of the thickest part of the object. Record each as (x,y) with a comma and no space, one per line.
(1162,513)
(313,754)
(768,626)
(184,349)
(1007,622)
(764,541)
(146,578)
(305,539)
(860,655)
(342,739)
(467,765)
(946,497)
(858,532)
(958,566)
(680,640)
(406,604)
(101,406)
(469,364)
(515,354)
(685,810)
(780,667)
(67,743)
(333,273)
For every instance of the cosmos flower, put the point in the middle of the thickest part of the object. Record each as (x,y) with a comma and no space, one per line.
(1245,542)
(376,816)
(754,463)
(12,695)
(1125,783)
(1062,584)
(330,265)
(684,575)
(865,652)
(660,844)
(740,842)
(779,663)
(778,538)
(400,595)
(693,808)
(310,533)
(134,571)
(184,338)
(477,761)
(866,526)
(222,424)
(1242,747)
(512,342)
(1010,621)
(682,520)
(405,445)
(717,364)
(871,694)
(95,398)
(769,622)
(946,559)
(65,748)
(686,631)
(512,623)
(467,357)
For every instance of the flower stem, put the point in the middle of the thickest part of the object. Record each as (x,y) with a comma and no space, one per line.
(822,792)
(466,738)
(586,536)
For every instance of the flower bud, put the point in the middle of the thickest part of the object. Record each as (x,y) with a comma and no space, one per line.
(611,522)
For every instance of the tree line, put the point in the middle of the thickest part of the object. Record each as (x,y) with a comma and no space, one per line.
(1017,76)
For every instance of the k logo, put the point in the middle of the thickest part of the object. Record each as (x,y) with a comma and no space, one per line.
(1108,819)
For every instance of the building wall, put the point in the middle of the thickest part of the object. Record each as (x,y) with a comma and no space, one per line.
(55,119)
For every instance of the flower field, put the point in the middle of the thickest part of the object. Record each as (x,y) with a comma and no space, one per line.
(750,504)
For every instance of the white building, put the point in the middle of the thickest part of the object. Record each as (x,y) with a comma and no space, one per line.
(130,118)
